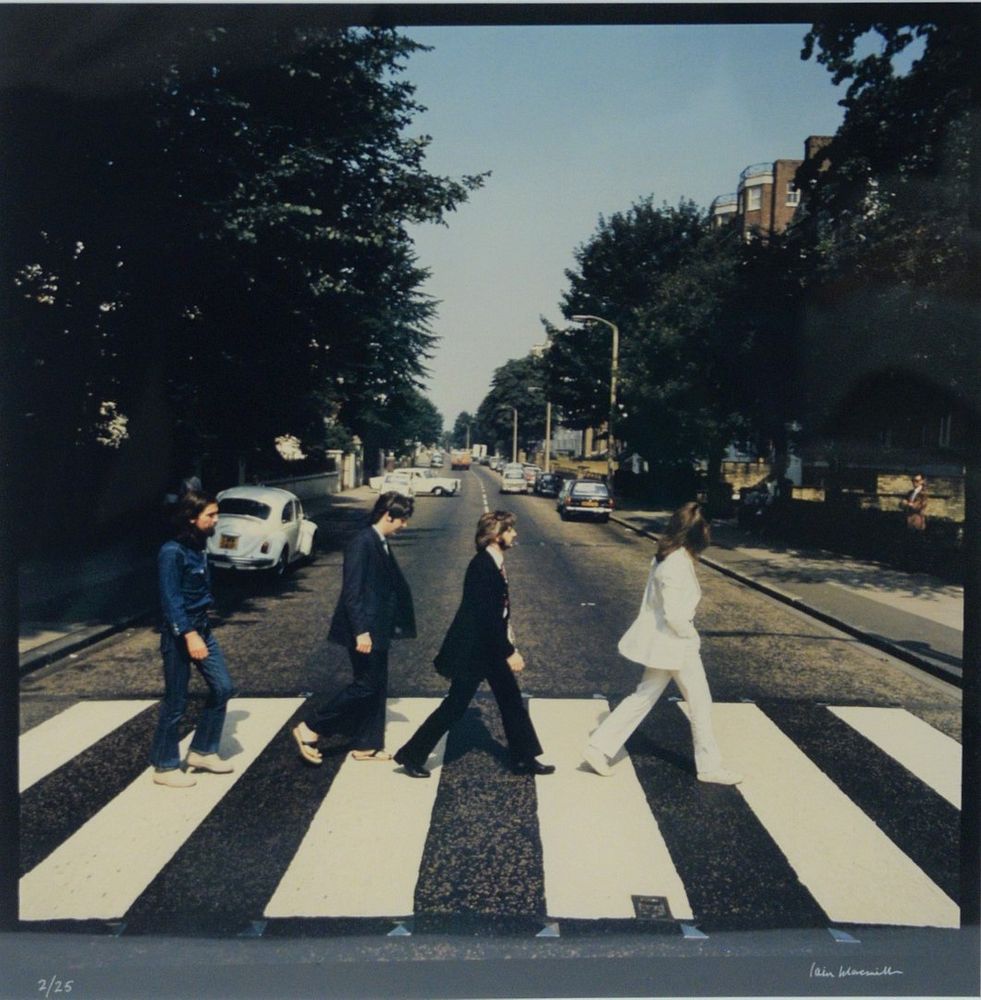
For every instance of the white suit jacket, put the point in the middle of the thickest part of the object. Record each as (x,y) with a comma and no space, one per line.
(663,634)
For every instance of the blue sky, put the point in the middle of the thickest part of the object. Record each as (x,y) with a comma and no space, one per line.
(576,122)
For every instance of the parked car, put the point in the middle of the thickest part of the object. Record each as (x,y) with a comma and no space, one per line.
(436,461)
(532,472)
(513,480)
(585,498)
(548,485)
(260,528)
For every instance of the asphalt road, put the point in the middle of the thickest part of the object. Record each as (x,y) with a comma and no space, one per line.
(481,873)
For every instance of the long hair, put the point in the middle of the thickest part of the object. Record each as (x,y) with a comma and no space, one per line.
(188,509)
(687,529)
(491,526)
(396,504)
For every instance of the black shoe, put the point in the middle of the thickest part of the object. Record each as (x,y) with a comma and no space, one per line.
(531,767)
(412,770)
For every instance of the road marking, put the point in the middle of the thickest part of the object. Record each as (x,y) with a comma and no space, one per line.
(56,741)
(932,756)
(362,852)
(99,871)
(853,870)
(600,843)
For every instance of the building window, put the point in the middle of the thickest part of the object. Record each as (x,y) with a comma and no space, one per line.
(754,199)
(793,195)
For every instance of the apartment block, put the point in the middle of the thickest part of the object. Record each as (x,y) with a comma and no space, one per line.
(766,198)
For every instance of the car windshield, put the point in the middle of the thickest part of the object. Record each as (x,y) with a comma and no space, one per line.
(590,490)
(244,507)
(513,474)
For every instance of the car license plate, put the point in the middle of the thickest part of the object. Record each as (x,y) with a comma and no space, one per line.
(228,542)
(590,503)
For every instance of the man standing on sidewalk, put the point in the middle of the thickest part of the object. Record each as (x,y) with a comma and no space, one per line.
(914,504)
(185,638)
(375,606)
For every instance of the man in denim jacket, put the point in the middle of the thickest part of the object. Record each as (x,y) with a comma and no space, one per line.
(185,637)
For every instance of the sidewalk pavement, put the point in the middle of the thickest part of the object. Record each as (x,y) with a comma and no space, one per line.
(912,616)
(70,602)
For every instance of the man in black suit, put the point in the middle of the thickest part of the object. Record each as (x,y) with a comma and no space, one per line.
(480,645)
(375,606)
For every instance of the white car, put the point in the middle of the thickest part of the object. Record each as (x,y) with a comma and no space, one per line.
(420,481)
(513,480)
(260,527)
(398,481)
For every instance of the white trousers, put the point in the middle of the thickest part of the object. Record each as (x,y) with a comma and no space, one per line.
(617,727)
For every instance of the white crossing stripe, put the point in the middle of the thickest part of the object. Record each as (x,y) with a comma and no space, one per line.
(853,870)
(100,871)
(58,740)
(926,752)
(600,842)
(362,853)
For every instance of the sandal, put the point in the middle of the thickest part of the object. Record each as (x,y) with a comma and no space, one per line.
(308,750)
(370,755)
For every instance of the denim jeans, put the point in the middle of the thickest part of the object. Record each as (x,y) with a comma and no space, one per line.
(165,753)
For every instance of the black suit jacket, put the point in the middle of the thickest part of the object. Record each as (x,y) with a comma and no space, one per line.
(374,595)
(478,634)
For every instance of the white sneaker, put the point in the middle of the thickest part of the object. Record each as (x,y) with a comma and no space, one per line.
(596,759)
(173,777)
(208,762)
(720,777)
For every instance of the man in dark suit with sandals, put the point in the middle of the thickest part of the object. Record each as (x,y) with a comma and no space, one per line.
(375,606)
(480,646)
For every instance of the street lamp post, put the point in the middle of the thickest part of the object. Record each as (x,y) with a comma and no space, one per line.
(548,433)
(613,389)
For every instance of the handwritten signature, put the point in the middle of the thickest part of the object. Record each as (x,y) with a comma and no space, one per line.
(844,971)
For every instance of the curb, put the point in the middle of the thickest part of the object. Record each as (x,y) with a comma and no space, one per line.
(72,642)
(869,638)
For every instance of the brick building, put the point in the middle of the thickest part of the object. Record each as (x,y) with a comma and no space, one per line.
(767,198)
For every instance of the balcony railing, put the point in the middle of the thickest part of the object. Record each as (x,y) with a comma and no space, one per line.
(755,170)
(724,203)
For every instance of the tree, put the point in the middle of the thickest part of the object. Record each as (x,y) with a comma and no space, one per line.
(893,234)
(220,254)
(518,385)
(462,432)
(703,320)
(619,269)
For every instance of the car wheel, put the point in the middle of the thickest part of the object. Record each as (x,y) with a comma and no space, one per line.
(603,520)
(283,563)
(438,491)
(563,514)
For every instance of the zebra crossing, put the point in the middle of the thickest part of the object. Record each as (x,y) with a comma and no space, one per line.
(848,815)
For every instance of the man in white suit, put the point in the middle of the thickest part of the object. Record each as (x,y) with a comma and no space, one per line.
(663,638)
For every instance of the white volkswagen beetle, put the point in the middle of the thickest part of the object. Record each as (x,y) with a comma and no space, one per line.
(260,527)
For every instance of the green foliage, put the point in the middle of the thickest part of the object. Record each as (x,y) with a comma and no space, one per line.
(890,227)
(223,251)
(462,430)
(519,385)
(703,329)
